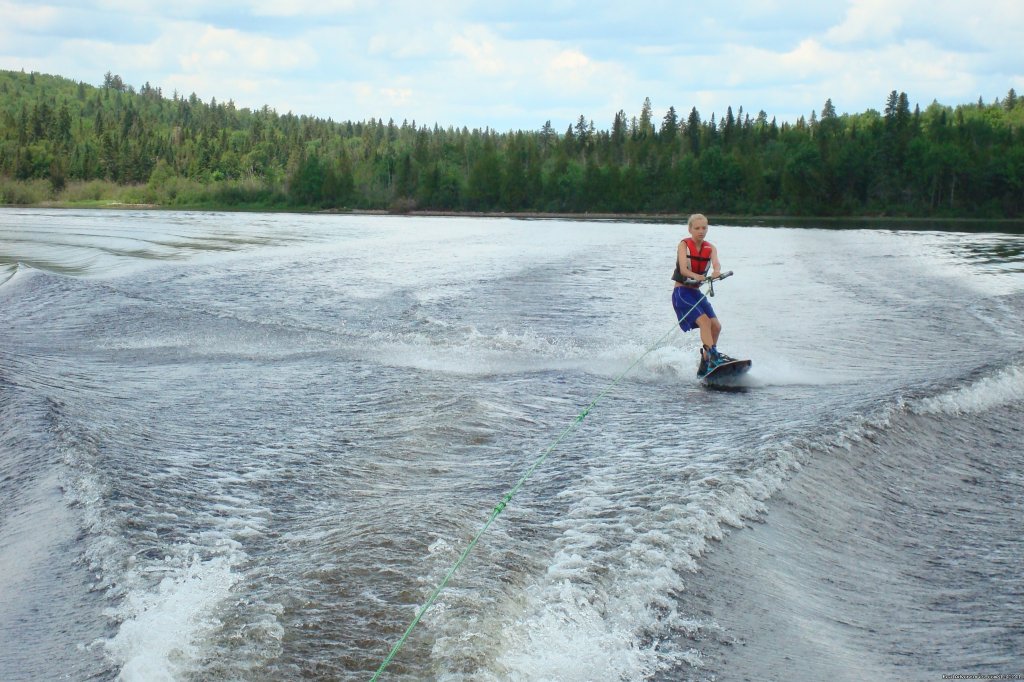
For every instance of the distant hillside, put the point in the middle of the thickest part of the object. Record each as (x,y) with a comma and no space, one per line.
(70,142)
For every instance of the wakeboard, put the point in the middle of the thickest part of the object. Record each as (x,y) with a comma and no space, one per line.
(727,373)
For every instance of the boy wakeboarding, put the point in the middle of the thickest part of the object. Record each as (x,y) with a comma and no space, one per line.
(694,257)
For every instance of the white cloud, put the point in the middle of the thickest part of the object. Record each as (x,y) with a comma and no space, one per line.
(216,49)
(21,17)
(478,47)
(571,68)
(792,83)
(868,21)
(306,8)
(418,44)
(397,96)
(515,65)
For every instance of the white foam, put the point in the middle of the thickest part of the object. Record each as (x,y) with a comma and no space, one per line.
(681,361)
(577,639)
(474,353)
(605,610)
(162,627)
(1003,388)
(770,370)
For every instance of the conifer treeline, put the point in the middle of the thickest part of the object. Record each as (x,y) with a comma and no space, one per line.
(76,140)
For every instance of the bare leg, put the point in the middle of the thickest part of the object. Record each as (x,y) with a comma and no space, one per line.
(710,329)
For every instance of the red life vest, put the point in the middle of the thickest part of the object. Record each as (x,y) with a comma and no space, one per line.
(700,259)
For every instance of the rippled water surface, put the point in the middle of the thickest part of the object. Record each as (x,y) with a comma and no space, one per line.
(249,446)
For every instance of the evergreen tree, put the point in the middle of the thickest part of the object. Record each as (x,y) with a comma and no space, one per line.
(693,131)
(646,126)
(669,126)
(967,160)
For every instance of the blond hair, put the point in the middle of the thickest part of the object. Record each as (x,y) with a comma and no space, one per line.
(695,217)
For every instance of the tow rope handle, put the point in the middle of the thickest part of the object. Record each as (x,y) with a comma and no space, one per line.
(710,281)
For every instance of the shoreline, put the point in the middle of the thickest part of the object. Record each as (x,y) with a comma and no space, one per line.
(1016,225)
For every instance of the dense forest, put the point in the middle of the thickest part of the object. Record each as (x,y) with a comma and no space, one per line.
(69,142)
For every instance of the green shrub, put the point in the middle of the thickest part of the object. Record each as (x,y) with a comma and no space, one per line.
(24,192)
(87,191)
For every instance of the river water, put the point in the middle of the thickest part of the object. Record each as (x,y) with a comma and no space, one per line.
(250,446)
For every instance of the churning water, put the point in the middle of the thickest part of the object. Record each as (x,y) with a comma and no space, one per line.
(248,447)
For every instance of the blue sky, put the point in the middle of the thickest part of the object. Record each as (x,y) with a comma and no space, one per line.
(514,65)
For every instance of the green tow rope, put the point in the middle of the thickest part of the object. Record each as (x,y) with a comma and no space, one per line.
(519,484)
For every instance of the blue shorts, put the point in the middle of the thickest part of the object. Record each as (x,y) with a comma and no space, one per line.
(685,301)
